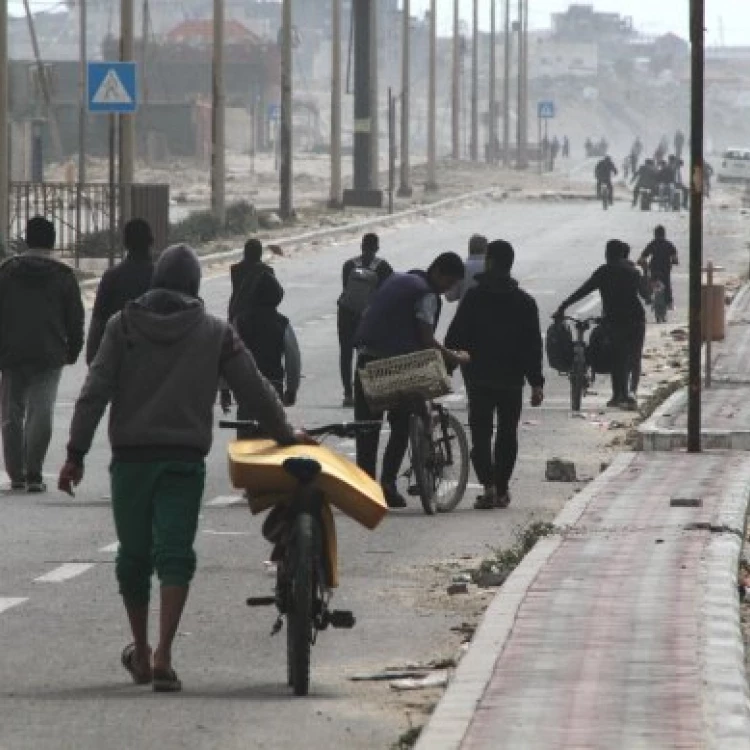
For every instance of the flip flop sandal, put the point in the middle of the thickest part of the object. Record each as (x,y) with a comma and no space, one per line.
(167,682)
(128,661)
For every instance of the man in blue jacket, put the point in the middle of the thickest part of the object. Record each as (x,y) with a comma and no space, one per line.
(503,356)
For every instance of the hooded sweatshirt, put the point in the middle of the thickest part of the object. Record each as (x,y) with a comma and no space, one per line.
(41,313)
(159,365)
(498,325)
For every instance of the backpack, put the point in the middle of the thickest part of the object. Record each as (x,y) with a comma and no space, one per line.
(560,347)
(360,285)
(599,350)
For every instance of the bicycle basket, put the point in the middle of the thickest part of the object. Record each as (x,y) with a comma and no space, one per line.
(386,382)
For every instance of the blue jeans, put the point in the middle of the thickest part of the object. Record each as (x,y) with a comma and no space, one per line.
(27,404)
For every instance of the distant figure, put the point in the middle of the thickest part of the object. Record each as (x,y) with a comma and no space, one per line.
(554,151)
(679,143)
(661,150)
(127,281)
(474,266)
(566,148)
(41,331)
(245,276)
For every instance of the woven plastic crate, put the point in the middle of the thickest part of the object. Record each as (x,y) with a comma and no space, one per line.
(387,382)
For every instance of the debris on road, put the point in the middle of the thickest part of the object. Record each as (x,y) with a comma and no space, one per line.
(458,588)
(559,470)
(435,680)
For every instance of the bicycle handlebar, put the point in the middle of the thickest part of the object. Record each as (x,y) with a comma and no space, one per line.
(577,321)
(338,429)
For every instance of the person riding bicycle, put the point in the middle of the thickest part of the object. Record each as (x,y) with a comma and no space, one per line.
(644,179)
(619,285)
(603,172)
(659,257)
(401,318)
(497,324)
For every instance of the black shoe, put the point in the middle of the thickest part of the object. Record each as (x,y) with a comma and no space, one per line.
(487,500)
(36,488)
(613,403)
(348,402)
(393,498)
(18,486)
(629,404)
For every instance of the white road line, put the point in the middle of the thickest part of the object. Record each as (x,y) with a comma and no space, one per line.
(211,532)
(224,501)
(114,547)
(64,573)
(7,603)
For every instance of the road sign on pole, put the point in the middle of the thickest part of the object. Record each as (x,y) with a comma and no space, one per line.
(546,110)
(112,87)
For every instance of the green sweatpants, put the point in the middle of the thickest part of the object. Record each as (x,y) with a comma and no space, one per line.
(156,507)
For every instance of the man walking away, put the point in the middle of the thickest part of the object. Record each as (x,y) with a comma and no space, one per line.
(127,281)
(474,266)
(41,331)
(159,365)
(360,277)
(245,276)
(619,285)
(503,355)
(401,319)
(659,257)
(271,340)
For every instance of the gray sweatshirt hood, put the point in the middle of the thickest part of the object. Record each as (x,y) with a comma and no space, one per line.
(163,317)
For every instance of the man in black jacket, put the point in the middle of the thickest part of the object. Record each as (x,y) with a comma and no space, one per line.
(123,283)
(41,331)
(659,256)
(619,284)
(245,276)
(503,356)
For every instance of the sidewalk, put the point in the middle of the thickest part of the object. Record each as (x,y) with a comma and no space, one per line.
(622,630)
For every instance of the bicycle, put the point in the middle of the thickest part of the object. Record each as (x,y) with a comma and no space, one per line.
(439,458)
(580,379)
(302,529)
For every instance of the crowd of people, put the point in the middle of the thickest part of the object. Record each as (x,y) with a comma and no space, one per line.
(158,359)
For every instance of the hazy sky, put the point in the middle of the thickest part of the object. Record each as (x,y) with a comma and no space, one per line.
(650,16)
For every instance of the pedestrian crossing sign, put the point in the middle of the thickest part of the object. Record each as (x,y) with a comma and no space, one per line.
(112,87)
(546,110)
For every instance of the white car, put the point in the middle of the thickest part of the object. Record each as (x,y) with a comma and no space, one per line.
(734,165)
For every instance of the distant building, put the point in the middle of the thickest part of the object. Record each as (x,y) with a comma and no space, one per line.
(581,23)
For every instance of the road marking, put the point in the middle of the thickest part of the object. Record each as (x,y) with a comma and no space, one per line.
(211,532)
(64,573)
(224,501)
(114,547)
(7,603)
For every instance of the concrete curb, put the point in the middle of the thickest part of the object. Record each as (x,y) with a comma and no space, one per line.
(653,437)
(726,708)
(451,719)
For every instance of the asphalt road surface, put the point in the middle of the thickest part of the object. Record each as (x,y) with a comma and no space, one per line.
(62,626)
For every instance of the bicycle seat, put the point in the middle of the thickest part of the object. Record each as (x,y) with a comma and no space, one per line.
(304,470)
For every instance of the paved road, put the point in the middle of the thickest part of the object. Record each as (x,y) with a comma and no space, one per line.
(61,624)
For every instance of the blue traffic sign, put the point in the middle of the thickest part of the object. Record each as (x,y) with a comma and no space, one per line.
(546,110)
(112,87)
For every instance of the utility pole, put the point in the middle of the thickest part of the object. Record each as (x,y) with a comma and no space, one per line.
(335,197)
(431,184)
(404,189)
(285,136)
(697,38)
(506,85)
(218,119)
(4,170)
(54,130)
(82,104)
(525,110)
(127,122)
(144,50)
(521,115)
(374,98)
(492,131)
(456,91)
(475,84)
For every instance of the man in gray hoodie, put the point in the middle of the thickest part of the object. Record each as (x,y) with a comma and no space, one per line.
(159,365)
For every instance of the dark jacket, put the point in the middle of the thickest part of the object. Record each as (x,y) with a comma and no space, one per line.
(620,286)
(497,323)
(662,255)
(159,364)
(389,326)
(245,276)
(119,285)
(41,313)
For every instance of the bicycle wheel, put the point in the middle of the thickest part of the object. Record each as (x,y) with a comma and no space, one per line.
(304,551)
(577,379)
(452,458)
(422,463)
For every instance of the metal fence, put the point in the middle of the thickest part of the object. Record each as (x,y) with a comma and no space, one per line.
(87,216)
(77,211)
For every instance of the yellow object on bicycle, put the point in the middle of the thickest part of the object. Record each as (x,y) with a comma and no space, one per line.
(257,466)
